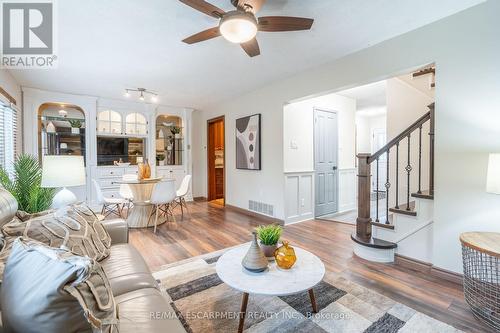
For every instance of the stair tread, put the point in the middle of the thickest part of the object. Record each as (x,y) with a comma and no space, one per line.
(383,225)
(402,209)
(423,195)
(374,243)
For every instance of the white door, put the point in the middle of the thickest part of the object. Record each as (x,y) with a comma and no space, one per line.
(379,140)
(325,162)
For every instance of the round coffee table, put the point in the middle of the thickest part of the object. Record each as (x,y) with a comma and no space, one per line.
(307,272)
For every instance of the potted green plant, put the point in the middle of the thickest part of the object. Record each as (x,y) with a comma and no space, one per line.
(176,131)
(76,124)
(25,185)
(269,236)
(161,159)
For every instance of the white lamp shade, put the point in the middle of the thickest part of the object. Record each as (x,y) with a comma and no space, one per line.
(63,171)
(493,178)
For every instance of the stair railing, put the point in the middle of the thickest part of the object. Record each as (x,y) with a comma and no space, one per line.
(364,220)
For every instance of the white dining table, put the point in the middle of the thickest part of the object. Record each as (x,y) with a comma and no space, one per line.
(142,189)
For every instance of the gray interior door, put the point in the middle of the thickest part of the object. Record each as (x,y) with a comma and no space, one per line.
(325,162)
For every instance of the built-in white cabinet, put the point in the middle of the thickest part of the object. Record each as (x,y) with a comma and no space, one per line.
(177,173)
(107,176)
(111,122)
(113,119)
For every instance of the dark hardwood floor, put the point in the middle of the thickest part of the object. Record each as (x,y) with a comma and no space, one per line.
(210,227)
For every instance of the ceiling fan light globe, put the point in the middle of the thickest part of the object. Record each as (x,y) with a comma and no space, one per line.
(238,28)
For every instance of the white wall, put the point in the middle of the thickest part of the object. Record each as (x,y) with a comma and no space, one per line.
(244,185)
(298,127)
(405,104)
(197,148)
(465,49)
(365,124)
(298,151)
(9,84)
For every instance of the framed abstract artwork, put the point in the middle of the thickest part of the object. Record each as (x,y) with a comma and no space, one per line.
(248,143)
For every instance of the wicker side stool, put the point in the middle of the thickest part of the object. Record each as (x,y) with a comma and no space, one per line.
(481,258)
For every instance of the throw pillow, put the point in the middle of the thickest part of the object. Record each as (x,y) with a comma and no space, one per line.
(24,216)
(5,248)
(53,290)
(77,230)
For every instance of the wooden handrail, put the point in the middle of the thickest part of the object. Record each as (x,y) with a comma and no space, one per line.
(364,221)
(400,137)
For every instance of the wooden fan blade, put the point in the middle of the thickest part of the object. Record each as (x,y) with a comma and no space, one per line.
(284,23)
(251,47)
(204,7)
(255,4)
(203,36)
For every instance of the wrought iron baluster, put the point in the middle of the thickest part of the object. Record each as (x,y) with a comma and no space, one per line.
(419,159)
(376,196)
(387,185)
(408,170)
(397,176)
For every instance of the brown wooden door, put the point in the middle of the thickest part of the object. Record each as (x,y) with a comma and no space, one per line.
(215,142)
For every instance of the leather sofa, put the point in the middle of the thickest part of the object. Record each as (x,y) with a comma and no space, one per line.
(141,305)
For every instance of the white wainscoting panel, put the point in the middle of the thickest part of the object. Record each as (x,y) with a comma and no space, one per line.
(347,189)
(299,197)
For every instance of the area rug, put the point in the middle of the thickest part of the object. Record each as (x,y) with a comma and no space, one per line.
(203,303)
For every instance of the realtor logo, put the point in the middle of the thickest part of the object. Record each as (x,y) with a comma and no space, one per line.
(28,31)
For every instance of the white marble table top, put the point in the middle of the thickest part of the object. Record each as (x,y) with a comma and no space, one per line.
(307,272)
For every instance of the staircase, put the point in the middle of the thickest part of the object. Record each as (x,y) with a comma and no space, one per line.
(404,228)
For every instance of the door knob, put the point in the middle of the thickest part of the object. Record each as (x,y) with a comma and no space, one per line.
(334,168)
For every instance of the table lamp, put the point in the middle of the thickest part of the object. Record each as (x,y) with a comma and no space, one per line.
(63,171)
(493,178)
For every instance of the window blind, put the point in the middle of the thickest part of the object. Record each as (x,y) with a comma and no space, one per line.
(8,137)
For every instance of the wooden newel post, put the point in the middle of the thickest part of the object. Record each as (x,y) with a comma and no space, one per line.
(431,151)
(363,225)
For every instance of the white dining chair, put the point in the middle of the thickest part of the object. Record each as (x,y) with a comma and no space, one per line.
(181,194)
(109,205)
(126,192)
(162,198)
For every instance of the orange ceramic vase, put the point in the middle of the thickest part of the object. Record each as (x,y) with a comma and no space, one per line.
(285,256)
(144,170)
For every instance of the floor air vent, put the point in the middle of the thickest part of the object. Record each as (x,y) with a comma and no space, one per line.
(261,207)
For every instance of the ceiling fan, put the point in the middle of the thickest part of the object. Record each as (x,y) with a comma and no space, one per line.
(241,26)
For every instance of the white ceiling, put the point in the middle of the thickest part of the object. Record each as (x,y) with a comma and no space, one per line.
(107,46)
(371,95)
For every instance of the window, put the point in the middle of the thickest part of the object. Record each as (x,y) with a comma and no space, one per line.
(8,134)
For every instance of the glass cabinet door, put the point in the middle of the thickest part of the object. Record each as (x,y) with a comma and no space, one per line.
(61,130)
(136,123)
(169,140)
(109,122)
